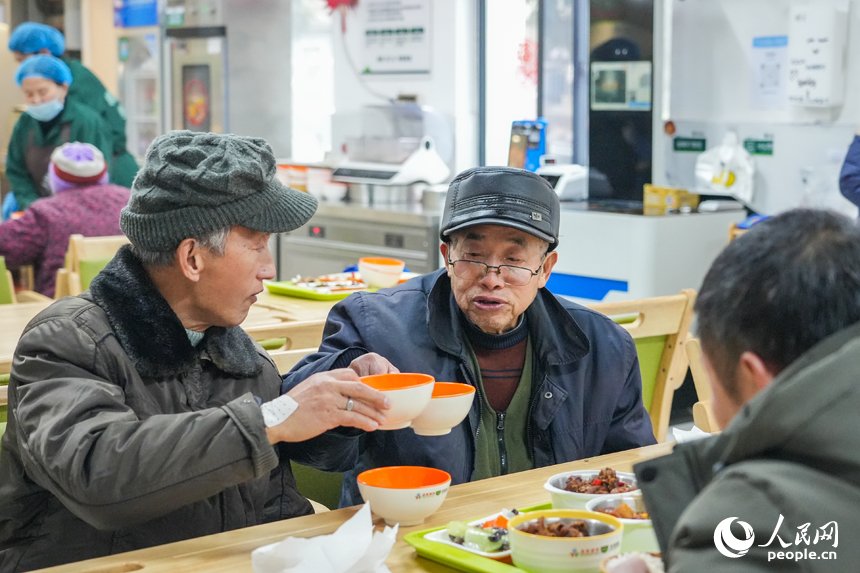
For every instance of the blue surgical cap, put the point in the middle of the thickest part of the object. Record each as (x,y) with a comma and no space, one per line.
(30,37)
(44,66)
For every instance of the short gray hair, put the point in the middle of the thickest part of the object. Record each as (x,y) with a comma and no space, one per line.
(215,242)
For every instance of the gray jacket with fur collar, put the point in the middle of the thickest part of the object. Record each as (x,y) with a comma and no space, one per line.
(122,435)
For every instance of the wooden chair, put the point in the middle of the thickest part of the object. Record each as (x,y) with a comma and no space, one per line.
(734,232)
(294,334)
(86,257)
(286,359)
(8,295)
(659,327)
(7,284)
(703,412)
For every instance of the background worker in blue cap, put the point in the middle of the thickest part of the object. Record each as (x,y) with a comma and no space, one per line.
(51,120)
(31,38)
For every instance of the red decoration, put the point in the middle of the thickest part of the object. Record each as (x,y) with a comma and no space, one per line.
(342,6)
(528,68)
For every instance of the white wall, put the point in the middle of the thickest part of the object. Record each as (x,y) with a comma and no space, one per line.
(711,92)
(450,87)
(258,61)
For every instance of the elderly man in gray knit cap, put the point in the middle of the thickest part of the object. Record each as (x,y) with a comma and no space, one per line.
(140,413)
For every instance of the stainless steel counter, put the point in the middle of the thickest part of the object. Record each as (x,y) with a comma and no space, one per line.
(406,214)
(340,233)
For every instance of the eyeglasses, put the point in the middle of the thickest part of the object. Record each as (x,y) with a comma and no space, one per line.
(510,275)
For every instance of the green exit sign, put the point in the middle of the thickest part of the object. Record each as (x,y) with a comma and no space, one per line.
(695,144)
(759,146)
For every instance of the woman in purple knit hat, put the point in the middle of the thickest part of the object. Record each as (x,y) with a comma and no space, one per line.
(83,203)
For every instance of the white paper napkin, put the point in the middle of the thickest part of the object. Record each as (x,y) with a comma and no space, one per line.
(353,548)
(694,434)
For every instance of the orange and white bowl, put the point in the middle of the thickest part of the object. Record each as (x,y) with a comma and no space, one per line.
(409,395)
(404,494)
(380,272)
(449,404)
(541,554)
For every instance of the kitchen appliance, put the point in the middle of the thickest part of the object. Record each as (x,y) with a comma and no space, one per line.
(340,234)
(569,181)
(399,146)
(195,75)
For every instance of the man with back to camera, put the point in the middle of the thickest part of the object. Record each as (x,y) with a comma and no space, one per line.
(555,381)
(140,413)
(778,320)
(31,38)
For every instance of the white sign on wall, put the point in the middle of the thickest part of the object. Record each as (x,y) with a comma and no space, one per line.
(817,34)
(769,73)
(396,37)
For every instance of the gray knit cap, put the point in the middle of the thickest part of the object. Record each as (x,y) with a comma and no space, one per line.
(194,183)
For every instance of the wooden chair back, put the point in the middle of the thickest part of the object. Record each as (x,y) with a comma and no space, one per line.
(7,284)
(296,334)
(286,359)
(659,327)
(703,412)
(735,232)
(86,257)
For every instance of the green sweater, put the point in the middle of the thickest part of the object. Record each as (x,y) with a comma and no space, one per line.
(501,446)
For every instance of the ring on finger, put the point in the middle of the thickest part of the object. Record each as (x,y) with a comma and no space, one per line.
(350,404)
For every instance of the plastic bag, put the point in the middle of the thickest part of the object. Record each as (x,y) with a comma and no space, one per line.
(726,170)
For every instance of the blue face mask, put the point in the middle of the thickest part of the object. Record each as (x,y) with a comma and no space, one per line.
(46,111)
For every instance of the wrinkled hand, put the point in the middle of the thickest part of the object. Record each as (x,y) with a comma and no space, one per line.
(322,402)
(372,363)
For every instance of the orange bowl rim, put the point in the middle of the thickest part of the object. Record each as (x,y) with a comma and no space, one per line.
(387,261)
(459,389)
(423,380)
(362,477)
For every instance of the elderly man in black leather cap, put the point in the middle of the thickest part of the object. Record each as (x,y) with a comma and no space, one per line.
(555,381)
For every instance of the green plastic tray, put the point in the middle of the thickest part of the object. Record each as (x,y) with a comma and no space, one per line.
(460,558)
(289,288)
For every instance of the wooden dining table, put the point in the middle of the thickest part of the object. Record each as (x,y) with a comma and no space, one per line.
(268,310)
(230,552)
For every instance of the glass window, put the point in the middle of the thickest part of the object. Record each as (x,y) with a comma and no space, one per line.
(557,80)
(312,80)
(511,72)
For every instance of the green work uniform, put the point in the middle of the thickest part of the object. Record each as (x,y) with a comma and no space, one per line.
(87,89)
(30,148)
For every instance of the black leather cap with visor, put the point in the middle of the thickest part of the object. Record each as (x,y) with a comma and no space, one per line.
(502,196)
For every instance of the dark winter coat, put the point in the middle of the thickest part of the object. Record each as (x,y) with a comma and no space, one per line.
(586,392)
(122,435)
(788,458)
